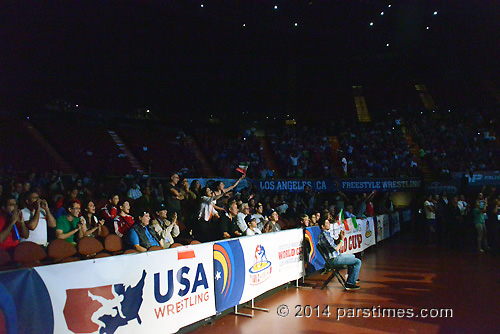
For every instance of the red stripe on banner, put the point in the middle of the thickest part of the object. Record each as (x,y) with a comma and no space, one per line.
(187,254)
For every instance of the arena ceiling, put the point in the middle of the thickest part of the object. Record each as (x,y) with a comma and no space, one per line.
(205,57)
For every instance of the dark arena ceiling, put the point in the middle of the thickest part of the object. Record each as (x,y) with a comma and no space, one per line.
(203,57)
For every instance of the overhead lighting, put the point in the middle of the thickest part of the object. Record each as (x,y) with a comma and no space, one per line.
(371,24)
(244,25)
(201,5)
(427,28)
(389,6)
(435,13)
(387,44)
(275,7)
(296,24)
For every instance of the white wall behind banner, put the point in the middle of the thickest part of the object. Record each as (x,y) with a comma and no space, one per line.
(151,292)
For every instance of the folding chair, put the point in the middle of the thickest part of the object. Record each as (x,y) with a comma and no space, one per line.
(333,267)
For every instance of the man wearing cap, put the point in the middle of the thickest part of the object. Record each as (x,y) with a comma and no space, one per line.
(166,229)
(261,220)
(252,226)
(272,225)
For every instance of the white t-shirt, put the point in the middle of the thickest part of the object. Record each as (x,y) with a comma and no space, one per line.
(39,235)
(429,214)
(240,221)
(254,232)
(207,208)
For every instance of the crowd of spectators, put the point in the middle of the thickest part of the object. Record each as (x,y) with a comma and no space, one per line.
(456,143)
(376,150)
(225,150)
(145,213)
(302,152)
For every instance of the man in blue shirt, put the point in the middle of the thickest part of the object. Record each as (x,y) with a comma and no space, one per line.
(141,235)
(333,246)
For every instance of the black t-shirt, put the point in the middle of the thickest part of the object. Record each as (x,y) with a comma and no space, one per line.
(173,204)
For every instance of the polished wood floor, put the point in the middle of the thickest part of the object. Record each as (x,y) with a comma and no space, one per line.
(397,273)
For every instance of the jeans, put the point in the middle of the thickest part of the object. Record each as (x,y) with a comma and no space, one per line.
(353,266)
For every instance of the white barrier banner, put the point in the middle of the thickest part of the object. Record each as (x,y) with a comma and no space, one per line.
(383,227)
(159,291)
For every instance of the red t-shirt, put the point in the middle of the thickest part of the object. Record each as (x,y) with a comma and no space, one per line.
(369,209)
(12,241)
(123,224)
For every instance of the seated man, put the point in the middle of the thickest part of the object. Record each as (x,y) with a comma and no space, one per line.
(70,224)
(12,226)
(37,218)
(166,229)
(272,225)
(142,236)
(333,245)
(252,226)
(228,228)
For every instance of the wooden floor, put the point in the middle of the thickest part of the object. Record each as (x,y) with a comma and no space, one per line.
(397,273)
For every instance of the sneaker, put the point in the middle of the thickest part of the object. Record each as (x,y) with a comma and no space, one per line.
(352,287)
(357,281)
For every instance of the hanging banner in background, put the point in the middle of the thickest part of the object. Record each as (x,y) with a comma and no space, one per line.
(295,186)
(367,185)
(480,178)
(383,227)
(166,289)
(396,227)
(247,267)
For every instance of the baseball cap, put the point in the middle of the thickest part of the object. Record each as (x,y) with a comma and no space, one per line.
(249,219)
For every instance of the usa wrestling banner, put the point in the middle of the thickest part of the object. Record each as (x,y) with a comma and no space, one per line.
(137,293)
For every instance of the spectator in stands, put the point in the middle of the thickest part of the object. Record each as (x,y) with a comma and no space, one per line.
(37,218)
(167,230)
(146,202)
(454,223)
(240,218)
(143,236)
(110,210)
(261,220)
(188,204)
(123,221)
(252,226)
(134,192)
(12,226)
(228,228)
(493,223)
(17,190)
(71,223)
(430,216)
(92,226)
(333,244)
(195,187)
(173,195)
(478,214)
(72,195)
(202,230)
(304,221)
(272,225)
(314,220)
(24,193)
(348,212)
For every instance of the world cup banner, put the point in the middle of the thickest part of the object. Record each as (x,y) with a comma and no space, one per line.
(246,267)
(359,234)
(150,292)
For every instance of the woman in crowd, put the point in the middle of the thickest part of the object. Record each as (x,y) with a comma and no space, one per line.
(92,226)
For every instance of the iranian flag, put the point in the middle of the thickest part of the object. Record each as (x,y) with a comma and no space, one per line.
(242,168)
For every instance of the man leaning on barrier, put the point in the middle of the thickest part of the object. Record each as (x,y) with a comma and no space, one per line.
(332,246)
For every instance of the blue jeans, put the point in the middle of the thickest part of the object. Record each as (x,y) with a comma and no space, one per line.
(353,266)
